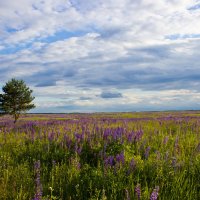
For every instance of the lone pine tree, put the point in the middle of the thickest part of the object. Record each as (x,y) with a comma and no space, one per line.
(16,98)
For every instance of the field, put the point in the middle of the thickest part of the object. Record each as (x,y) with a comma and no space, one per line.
(113,156)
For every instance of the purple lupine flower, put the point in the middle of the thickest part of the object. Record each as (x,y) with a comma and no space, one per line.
(109,161)
(78,165)
(154,194)
(68,141)
(146,154)
(120,158)
(174,162)
(138,191)
(132,164)
(51,136)
(79,149)
(117,134)
(96,129)
(176,145)
(106,134)
(38,194)
(130,136)
(138,135)
(78,137)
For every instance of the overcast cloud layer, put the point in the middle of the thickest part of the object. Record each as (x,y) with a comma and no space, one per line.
(103,55)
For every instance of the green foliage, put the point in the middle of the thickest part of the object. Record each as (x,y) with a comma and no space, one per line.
(16,98)
(114,148)
(89,155)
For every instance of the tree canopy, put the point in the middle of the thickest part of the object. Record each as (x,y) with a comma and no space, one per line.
(16,98)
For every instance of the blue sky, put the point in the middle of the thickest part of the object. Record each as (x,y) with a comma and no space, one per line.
(103,55)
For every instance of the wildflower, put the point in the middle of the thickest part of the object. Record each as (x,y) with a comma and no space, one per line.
(174,162)
(146,154)
(78,149)
(132,165)
(130,137)
(106,134)
(78,137)
(120,158)
(117,133)
(51,136)
(38,194)
(78,165)
(138,191)
(154,194)
(110,161)
(138,135)
(68,141)
(176,145)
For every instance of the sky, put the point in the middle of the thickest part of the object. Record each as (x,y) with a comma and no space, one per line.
(103,55)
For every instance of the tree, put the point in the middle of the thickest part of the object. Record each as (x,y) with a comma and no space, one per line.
(16,98)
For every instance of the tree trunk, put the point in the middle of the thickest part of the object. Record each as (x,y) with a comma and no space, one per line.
(16,116)
(15,119)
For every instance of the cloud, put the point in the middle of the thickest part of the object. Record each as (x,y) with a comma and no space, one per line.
(110,95)
(85,98)
(88,54)
(45,84)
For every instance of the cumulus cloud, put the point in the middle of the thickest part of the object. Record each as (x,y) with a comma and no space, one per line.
(83,50)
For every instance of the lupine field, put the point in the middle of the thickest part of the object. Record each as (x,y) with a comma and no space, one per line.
(108,156)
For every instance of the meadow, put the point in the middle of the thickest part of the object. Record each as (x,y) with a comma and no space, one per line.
(101,156)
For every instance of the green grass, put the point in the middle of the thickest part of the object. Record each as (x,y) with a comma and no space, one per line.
(75,156)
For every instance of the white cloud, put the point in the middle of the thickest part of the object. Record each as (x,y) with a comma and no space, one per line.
(136,19)
(113,45)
